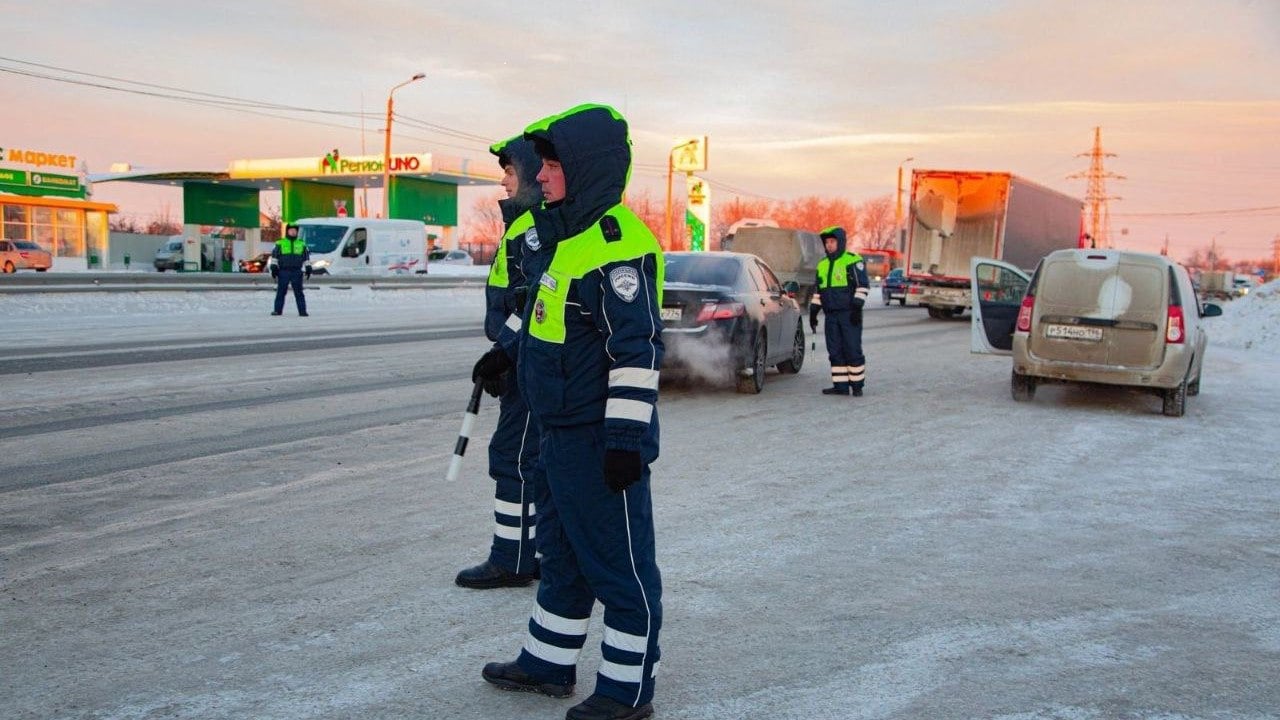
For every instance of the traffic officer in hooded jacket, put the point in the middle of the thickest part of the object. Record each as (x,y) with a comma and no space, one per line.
(842,291)
(290,260)
(588,367)
(513,449)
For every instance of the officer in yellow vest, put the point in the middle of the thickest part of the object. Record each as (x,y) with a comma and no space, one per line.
(513,449)
(588,367)
(842,291)
(290,259)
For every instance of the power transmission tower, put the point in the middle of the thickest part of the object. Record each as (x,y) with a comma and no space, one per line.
(1096,197)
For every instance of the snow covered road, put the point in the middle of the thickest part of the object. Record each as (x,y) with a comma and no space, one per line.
(270,534)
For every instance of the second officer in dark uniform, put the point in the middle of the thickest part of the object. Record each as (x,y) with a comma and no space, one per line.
(513,450)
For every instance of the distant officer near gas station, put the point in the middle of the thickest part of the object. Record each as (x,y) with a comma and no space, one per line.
(290,261)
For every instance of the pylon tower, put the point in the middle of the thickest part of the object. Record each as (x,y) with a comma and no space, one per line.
(1096,199)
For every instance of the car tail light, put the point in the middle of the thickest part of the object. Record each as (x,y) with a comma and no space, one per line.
(1024,312)
(1175,331)
(720,311)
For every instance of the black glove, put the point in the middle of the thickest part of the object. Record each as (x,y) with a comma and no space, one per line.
(622,468)
(813,317)
(490,365)
(275,272)
(855,315)
(521,297)
(307,271)
(495,386)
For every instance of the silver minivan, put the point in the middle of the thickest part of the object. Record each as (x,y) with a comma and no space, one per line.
(1112,317)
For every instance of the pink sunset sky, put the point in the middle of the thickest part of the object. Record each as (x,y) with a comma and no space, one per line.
(798,98)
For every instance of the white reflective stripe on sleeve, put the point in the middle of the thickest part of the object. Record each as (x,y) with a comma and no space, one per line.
(619,409)
(860,292)
(634,377)
(510,509)
(558,624)
(817,299)
(625,641)
(551,653)
(506,532)
(655,669)
(621,673)
(514,322)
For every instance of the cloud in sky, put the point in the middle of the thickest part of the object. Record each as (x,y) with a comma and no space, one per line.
(798,98)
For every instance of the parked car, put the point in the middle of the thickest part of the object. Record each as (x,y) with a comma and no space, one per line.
(1241,285)
(894,287)
(255,264)
(1093,316)
(170,255)
(18,255)
(450,257)
(727,314)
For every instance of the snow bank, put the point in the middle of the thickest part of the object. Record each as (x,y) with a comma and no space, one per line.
(1250,323)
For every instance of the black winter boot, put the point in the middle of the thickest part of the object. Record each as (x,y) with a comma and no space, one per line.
(509,676)
(837,390)
(486,575)
(599,707)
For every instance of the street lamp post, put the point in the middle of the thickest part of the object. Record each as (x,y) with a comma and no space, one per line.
(897,212)
(386,148)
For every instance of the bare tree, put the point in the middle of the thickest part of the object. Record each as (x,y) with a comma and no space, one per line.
(163,223)
(875,224)
(270,219)
(482,232)
(124,224)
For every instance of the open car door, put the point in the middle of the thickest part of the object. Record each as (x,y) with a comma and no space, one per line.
(997,290)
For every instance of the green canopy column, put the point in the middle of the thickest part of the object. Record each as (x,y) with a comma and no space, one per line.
(434,203)
(304,199)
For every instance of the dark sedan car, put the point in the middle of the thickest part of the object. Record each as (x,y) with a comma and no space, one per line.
(255,264)
(726,314)
(894,287)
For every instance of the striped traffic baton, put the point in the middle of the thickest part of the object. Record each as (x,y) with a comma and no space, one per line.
(468,421)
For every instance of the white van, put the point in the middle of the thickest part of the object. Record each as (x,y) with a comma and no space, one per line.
(365,246)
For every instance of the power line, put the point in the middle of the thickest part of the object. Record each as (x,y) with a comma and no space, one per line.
(1206,213)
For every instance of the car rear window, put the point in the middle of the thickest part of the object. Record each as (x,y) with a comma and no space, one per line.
(1102,289)
(25,245)
(701,270)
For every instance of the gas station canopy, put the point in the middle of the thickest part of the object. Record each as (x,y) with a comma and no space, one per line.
(332,169)
(421,187)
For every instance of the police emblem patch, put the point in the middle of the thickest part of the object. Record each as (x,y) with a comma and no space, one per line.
(531,240)
(539,311)
(625,281)
(862,265)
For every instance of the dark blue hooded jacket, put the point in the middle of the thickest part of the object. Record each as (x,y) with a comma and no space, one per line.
(592,346)
(507,281)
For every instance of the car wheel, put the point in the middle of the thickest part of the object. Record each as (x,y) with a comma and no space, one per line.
(792,365)
(1175,400)
(752,384)
(8,267)
(1023,387)
(902,302)
(41,269)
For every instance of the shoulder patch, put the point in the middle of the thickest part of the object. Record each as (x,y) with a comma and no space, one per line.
(610,228)
(625,281)
(531,240)
(862,266)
